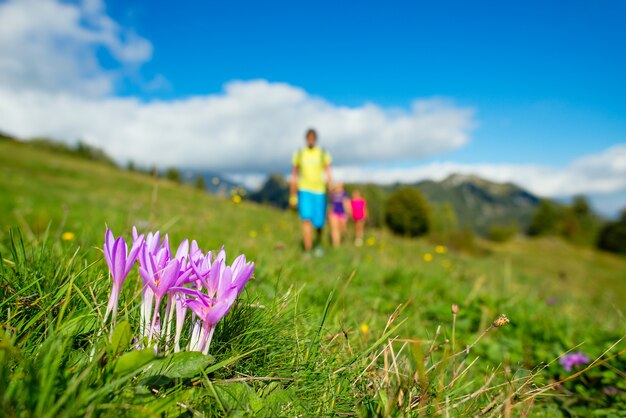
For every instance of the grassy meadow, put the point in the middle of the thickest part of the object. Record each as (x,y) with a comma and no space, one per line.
(360,331)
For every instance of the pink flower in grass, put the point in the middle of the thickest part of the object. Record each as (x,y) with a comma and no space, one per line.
(160,281)
(222,285)
(209,311)
(120,262)
(185,279)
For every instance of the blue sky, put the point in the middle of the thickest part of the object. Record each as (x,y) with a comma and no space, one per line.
(530,92)
(547,78)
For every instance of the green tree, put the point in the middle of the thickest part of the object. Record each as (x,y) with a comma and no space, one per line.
(275,192)
(200,183)
(546,219)
(407,212)
(612,236)
(499,232)
(580,225)
(173,174)
(444,219)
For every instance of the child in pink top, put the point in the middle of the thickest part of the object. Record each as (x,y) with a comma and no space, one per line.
(359,214)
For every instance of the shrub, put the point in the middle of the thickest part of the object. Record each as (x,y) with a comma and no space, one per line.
(502,233)
(580,225)
(613,236)
(546,219)
(200,184)
(407,212)
(444,221)
(275,192)
(81,150)
(463,240)
(173,174)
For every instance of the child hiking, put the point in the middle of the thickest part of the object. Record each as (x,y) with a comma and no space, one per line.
(339,206)
(359,214)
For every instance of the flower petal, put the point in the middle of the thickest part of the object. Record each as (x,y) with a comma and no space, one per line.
(118,257)
(240,280)
(134,252)
(109,240)
(226,282)
(183,249)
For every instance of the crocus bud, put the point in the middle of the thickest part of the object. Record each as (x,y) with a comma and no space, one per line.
(455,309)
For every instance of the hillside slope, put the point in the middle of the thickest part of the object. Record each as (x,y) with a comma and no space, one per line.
(556,295)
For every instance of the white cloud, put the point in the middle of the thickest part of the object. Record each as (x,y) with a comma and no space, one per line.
(50,46)
(53,84)
(602,173)
(251,126)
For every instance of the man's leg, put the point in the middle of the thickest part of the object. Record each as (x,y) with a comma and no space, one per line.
(307,235)
(306,209)
(319,216)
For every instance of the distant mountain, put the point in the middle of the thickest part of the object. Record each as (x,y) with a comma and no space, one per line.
(274,192)
(480,203)
(215,183)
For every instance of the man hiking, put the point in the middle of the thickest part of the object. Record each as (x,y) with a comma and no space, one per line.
(309,177)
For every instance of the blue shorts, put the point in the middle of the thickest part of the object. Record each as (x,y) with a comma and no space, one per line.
(312,207)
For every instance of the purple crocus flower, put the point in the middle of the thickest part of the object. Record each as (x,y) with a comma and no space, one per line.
(160,280)
(571,360)
(242,272)
(210,312)
(186,279)
(153,258)
(195,252)
(153,245)
(183,250)
(120,262)
(223,284)
(181,312)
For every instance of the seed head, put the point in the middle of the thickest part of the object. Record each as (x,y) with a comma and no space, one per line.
(501,321)
(455,309)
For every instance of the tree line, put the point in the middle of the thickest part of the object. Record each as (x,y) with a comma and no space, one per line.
(406,212)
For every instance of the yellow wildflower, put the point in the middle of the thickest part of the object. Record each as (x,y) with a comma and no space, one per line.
(67,236)
(441,249)
(371,241)
(428,257)
(236,198)
(364,328)
(252,234)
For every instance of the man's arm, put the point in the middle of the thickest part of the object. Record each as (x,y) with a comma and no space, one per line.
(329,178)
(293,186)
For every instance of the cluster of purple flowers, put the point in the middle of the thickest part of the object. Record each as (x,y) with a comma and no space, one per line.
(173,284)
(571,360)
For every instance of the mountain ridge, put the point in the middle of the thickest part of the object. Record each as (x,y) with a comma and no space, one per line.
(480,203)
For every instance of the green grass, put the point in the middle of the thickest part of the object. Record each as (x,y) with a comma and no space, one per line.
(363,331)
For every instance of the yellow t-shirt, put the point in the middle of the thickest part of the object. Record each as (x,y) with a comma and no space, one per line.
(311,163)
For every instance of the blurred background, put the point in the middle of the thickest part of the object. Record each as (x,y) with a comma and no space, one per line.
(507,117)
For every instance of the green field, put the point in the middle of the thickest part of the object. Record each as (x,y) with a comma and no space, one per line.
(360,331)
